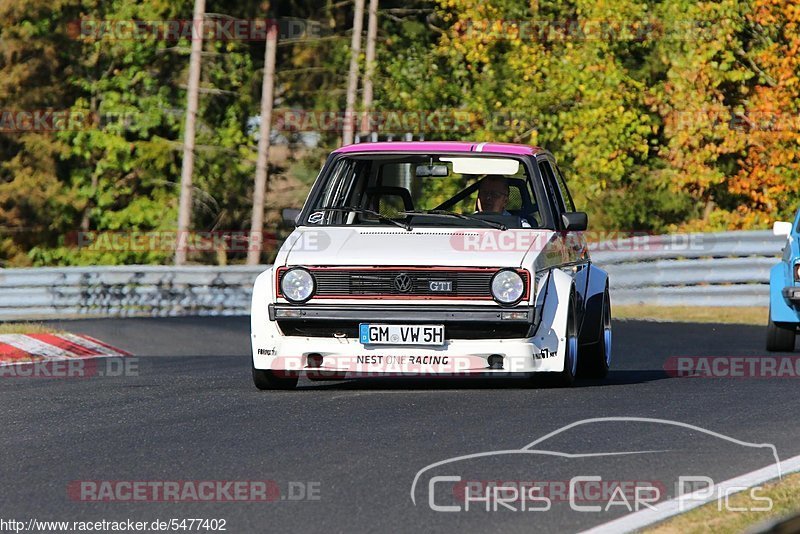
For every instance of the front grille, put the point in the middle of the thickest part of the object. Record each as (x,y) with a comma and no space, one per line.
(419,282)
(452,329)
(460,284)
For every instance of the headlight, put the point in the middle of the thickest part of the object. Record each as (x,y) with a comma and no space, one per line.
(797,272)
(297,285)
(507,287)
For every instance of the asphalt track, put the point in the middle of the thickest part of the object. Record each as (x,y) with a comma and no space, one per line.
(190,412)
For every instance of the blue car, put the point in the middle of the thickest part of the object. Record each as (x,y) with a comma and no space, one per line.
(784,290)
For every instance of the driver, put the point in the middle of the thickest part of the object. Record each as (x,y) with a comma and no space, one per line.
(493,195)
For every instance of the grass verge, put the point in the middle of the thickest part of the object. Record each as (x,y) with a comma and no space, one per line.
(785,496)
(693,314)
(27,328)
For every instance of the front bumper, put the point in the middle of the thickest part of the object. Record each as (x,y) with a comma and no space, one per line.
(456,357)
(792,294)
(460,322)
(365,313)
(541,346)
(473,334)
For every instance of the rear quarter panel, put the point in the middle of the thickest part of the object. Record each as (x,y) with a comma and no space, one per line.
(781,276)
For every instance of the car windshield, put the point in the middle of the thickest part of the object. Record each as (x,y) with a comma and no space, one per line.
(425,190)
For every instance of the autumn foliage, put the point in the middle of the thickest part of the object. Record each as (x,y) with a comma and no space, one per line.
(667,116)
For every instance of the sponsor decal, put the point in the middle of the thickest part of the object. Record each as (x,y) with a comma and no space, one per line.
(384,365)
(545,353)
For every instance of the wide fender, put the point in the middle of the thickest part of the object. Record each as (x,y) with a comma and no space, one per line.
(551,333)
(264,333)
(779,309)
(593,314)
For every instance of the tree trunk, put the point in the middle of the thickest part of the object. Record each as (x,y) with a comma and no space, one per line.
(369,69)
(352,77)
(185,205)
(255,245)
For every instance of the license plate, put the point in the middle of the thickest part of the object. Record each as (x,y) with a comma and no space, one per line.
(398,334)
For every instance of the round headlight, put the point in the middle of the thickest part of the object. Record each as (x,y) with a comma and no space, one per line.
(507,287)
(297,285)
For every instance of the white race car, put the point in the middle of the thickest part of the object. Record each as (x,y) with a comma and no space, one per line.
(435,259)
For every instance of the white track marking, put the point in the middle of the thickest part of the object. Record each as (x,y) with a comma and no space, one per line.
(667,509)
(89,344)
(34,347)
(37,348)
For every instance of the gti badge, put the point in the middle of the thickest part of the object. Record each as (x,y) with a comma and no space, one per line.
(443,285)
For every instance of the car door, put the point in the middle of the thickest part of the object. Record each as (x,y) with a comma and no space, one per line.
(573,244)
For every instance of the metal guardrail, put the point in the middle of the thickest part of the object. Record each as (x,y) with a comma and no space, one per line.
(716,269)
(126,291)
(724,269)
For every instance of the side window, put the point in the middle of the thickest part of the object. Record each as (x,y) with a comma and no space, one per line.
(339,190)
(333,191)
(562,185)
(550,183)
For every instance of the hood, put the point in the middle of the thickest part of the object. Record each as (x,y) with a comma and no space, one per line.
(450,247)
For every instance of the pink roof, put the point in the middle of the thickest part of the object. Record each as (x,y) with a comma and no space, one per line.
(441,146)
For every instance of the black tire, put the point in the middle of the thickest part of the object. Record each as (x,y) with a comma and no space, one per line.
(779,338)
(267,379)
(567,376)
(596,358)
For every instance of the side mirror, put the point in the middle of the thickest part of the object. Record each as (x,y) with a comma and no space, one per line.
(781,228)
(575,221)
(290,215)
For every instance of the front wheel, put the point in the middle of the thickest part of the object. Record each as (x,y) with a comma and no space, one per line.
(268,379)
(596,358)
(779,338)
(567,376)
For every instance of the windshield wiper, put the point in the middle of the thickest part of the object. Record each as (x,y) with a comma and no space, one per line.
(443,213)
(379,216)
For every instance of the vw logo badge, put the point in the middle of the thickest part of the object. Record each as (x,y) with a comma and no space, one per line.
(403,283)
